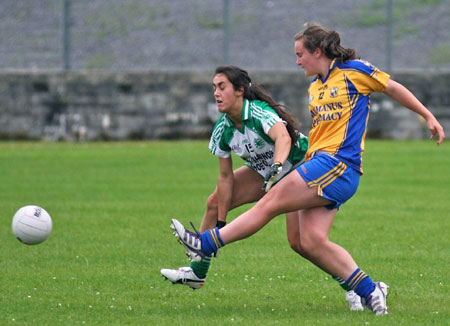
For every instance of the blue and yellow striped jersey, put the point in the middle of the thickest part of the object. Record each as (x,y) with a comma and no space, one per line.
(339,106)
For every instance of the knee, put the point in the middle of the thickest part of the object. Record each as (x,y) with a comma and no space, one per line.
(312,243)
(294,242)
(297,248)
(212,203)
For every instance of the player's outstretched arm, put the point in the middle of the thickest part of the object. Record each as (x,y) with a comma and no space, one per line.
(404,96)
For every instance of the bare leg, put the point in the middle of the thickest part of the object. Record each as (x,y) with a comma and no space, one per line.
(293,232)
(315,224)
(293,222)
(288,195)
(246,189)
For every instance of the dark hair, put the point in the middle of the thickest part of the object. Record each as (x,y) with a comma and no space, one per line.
(240,78)
(317,37)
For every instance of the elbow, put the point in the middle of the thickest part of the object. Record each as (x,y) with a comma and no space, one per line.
(393,88)
(286,140)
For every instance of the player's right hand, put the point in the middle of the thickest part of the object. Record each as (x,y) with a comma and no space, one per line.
(275,170)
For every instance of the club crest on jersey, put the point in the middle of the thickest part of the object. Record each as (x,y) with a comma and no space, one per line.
(334,92)
(259,143)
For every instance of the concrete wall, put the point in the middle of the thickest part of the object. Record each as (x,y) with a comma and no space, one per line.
(165,105)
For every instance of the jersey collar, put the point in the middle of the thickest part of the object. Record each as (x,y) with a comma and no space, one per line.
(246,110)
(245,113)
(333,64)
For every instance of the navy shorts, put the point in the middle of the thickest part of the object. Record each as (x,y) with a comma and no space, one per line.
(334,180)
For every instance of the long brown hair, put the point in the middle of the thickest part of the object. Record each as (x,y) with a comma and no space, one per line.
(240,78)
(318,37)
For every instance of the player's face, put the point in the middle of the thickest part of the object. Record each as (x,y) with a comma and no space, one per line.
(227,98)
(307,60)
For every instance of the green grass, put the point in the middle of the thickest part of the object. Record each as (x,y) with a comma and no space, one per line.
(111,205)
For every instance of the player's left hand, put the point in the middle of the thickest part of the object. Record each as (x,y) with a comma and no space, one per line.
(275,170)
(436,129)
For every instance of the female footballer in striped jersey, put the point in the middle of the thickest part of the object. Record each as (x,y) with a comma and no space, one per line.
(339,105)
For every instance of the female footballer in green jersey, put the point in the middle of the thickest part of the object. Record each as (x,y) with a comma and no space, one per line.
(339,105)
(258,130)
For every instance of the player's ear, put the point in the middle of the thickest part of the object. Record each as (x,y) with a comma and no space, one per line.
(318,53)
(240,91)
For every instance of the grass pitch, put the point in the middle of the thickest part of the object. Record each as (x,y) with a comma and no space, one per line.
(111,205)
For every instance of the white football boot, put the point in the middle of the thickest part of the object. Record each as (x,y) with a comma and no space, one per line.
(190,240)
(354,301)
(183,275)
(376,301)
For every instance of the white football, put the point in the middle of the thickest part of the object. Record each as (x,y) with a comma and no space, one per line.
(32,224)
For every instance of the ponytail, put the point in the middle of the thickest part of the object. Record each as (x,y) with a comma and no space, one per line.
(318,37)
(256,92)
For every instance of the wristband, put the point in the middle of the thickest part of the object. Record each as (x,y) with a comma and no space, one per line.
(221,224)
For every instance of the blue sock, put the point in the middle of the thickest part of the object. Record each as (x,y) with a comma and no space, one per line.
(211,241)
(361,283)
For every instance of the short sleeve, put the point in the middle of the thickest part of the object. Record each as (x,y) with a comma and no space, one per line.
(366,77)
(217,143)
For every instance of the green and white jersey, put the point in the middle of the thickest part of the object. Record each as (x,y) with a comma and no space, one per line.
(252,143)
